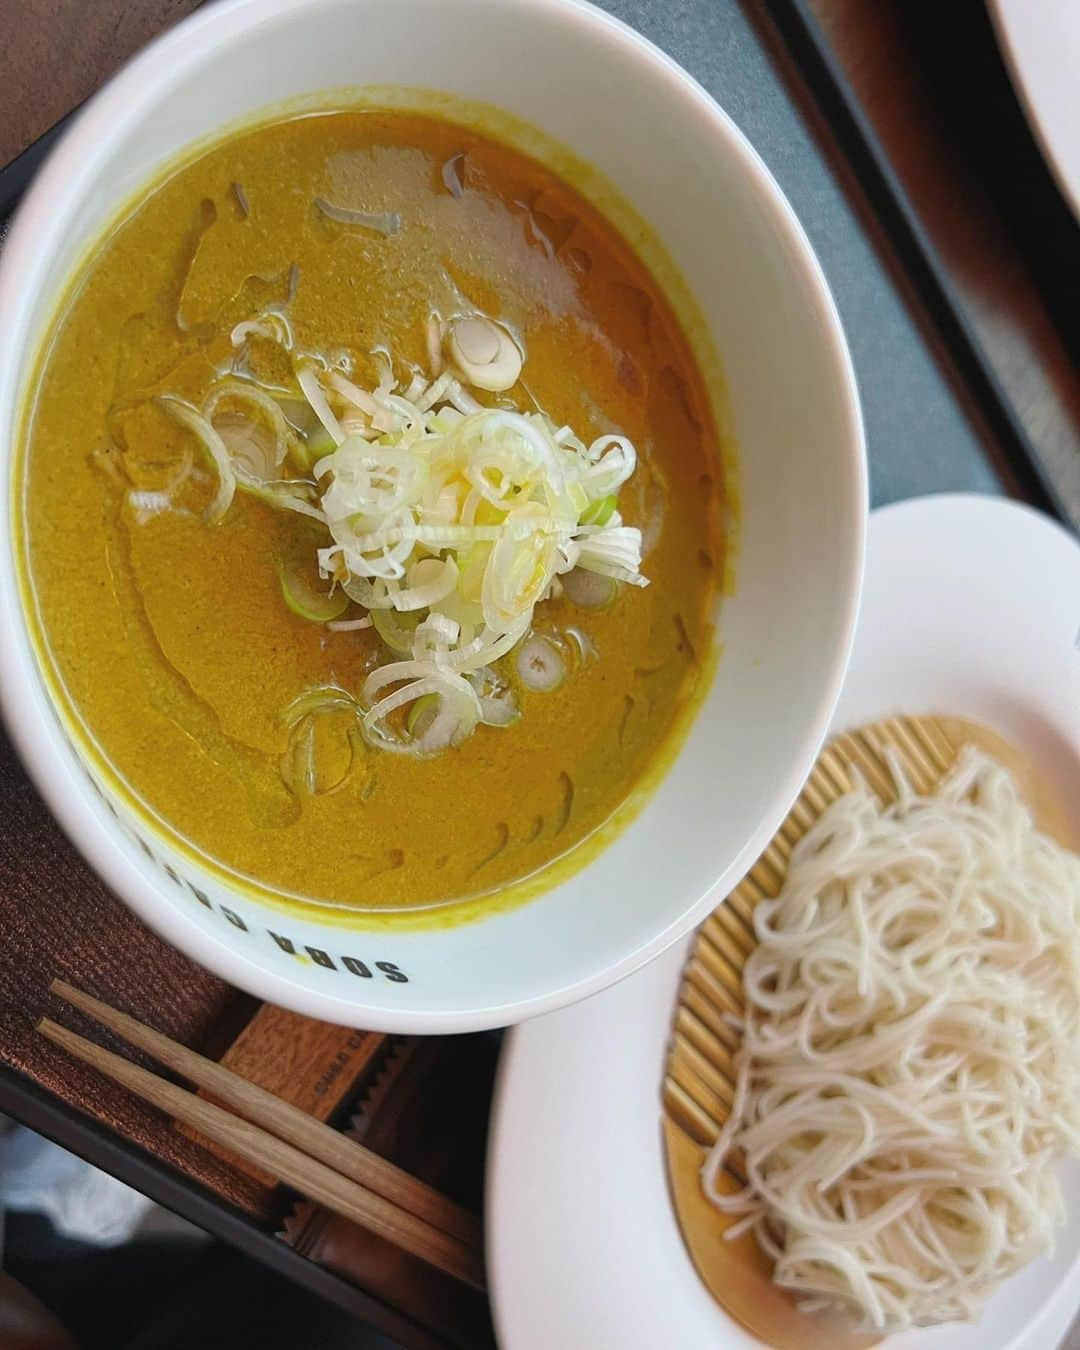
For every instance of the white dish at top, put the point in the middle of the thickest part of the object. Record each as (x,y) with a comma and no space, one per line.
(970,607)
(1040,40)
(588,82)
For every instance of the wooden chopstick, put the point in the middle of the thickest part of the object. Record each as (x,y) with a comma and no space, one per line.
(286,1121)
(307,1175)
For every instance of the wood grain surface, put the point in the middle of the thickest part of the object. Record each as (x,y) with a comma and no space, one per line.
(55,53)
(931,80)
(309,1064)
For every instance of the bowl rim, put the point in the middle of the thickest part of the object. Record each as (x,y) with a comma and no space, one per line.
(68,166)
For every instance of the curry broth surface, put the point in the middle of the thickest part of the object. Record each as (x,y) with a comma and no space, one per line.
(170,636)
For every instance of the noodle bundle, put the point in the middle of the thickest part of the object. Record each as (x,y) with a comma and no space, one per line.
(909,1075)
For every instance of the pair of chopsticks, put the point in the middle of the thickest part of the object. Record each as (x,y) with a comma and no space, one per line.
(311,1157)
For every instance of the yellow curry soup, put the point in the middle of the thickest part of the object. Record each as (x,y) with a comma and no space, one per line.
(171,636)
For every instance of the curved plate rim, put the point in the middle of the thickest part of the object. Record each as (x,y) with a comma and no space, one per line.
(1030,52)
(553,1213)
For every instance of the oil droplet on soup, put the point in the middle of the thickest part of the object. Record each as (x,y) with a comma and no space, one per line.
(215,688)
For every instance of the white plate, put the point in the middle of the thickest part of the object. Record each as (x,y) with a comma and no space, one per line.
(971,606)
(1040,40)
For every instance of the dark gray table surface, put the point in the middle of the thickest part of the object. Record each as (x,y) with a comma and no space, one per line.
(919,438)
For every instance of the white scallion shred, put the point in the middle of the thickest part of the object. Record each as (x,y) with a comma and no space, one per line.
(382,222)
(264,415)
(450,520)
(272,324)
(451,174)
(308,378)
(214,448)
(148,504)
(461,518)
(540,664)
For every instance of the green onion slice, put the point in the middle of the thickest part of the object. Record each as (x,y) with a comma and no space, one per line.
(308,603)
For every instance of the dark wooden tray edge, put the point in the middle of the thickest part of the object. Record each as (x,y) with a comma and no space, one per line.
(840,109)
(24,1101)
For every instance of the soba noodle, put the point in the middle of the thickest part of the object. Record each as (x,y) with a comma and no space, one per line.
(909,1075)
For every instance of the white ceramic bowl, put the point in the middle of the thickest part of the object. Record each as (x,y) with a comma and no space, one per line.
(593,84)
